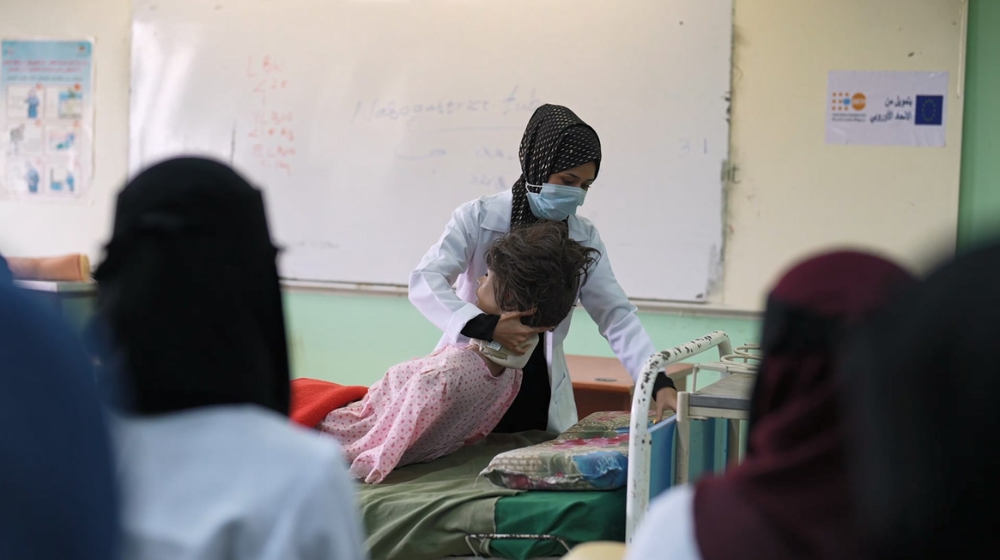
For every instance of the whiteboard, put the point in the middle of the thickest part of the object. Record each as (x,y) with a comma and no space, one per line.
(367,122)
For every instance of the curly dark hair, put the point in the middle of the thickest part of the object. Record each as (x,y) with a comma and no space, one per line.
(539,267)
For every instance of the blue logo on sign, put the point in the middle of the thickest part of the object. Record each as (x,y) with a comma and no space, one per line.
(929,110)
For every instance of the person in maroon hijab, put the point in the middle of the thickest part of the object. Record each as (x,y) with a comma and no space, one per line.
(790,496)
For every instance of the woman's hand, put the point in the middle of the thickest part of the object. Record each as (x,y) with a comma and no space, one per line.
(665,398)
(512,334)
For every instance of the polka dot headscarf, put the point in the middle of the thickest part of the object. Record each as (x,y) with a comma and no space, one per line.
(555,140)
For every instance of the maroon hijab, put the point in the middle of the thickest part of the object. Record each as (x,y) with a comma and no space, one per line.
(789,498)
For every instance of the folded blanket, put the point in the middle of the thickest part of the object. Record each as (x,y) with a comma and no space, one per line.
(66,268)
(313,399)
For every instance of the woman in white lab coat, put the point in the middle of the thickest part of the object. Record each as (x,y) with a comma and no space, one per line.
(560,158)
(211,466)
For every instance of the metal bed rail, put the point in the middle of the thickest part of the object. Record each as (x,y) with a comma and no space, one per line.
(640,442)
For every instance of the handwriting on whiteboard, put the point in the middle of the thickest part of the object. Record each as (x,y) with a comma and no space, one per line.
(496,153)
(496,182)
(516,101)
(272,131)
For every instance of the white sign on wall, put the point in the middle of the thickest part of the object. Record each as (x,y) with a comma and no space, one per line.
(46,118)
(887,108)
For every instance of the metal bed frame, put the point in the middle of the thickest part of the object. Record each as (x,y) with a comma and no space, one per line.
(640,438)
(730,395)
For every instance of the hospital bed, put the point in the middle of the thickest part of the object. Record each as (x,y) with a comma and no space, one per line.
(444,509)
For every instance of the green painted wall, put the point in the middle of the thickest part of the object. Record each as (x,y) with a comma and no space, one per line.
(979,206)
(353,339)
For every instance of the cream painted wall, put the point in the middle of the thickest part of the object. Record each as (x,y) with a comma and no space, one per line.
(795,194)
(45,228)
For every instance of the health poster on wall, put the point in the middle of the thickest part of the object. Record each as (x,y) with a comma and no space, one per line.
(887,108)
(47,118)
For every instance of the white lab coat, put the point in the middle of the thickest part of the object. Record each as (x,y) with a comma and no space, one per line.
(667,530)
(234,481)
(458,259)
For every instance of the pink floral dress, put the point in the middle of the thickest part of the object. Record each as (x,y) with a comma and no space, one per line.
(421,410)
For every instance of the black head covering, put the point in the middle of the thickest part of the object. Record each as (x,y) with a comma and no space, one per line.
(57,489)
(189,291)
(923,399)
(555,140)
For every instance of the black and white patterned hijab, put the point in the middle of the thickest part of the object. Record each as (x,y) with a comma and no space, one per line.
(555,140)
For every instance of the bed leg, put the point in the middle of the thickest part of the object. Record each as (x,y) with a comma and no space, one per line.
(683,439)
(733,444)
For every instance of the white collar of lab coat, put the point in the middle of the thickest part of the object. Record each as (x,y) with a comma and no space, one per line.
(497,217)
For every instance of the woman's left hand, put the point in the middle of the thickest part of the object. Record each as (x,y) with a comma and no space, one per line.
(665,398)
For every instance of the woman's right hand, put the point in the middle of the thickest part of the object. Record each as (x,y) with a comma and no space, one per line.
(512,334)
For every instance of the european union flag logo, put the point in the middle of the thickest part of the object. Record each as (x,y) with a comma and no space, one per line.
(929,110)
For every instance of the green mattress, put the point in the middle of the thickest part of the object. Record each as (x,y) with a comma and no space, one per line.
(425,511)
(574,517)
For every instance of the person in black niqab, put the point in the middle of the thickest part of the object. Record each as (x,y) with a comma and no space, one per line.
(190,294)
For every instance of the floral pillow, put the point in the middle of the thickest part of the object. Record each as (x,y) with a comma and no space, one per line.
(591,455)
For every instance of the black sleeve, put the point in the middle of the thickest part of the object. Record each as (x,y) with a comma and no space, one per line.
(481,327)
(662,382)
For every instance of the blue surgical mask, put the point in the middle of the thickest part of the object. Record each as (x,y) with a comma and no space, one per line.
(555,202)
